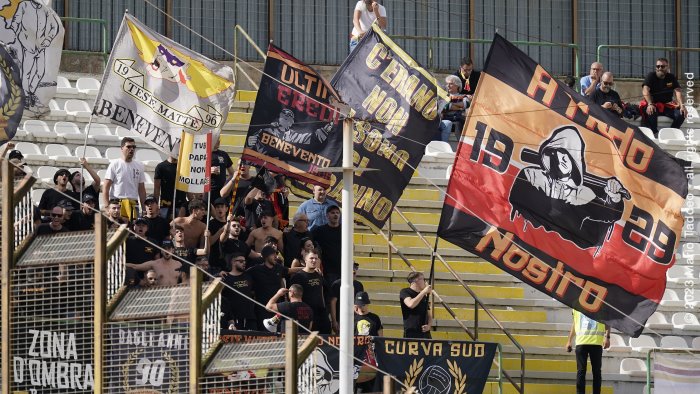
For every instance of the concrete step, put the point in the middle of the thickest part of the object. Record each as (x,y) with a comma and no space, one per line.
(376,286)
(239,117)
(541,388)
(246,95)
(474,266)
(440,313)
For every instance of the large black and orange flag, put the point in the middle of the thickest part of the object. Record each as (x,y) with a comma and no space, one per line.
(394,102)
(294,129)
(562,194)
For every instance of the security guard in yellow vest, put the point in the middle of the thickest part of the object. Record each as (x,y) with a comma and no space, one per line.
(591,338)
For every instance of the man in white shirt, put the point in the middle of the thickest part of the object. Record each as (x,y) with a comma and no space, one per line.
(124,180)
(366,12)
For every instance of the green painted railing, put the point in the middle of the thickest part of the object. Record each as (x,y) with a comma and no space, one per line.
(431,41)
(102,23)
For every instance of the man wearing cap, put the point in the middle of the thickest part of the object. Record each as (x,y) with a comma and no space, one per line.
(267,277)
(238,312)
(312,281)
(164,188)
(328,237)
(139,248)
(315,208)
(221,167)
(77,182)
(366,322)
(84,219)
(256,238)
(158,227)
(55,225)
(168,269)
(60,194)
(357,287)
(125,180)
(16,159)
(193,224)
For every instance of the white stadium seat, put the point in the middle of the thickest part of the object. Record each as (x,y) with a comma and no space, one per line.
(92,155)
(69,131)
(695,183)
(617,344)
(647,131)
(673,342)
(60,153)
(671,136)
(46,173)
(149,157)
(122,132)
(56,110)
(678,273)
(685,321)
(64,87)
(78,110)
(670,298)
(113,153)
(692,157)
(39,129)
(633,367)
(101,133)
(658,320)
(642,343)
(102,173)
(31,151)
(88,86)
(696,343)
(439,149)
(36,195)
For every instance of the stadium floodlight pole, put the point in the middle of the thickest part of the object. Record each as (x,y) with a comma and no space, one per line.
(347,340)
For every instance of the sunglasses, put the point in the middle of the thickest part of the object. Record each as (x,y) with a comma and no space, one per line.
(660,66)
(608,83)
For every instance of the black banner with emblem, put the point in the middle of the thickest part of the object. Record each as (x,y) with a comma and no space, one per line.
(11,95)
(433,366)
(394,102)
(294,130)
(147,358)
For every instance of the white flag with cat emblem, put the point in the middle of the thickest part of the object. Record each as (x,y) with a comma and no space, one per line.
(34,34)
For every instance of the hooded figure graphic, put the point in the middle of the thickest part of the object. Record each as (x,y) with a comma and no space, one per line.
(560,196)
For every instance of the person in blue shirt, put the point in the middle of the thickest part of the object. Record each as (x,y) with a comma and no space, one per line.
(315,208)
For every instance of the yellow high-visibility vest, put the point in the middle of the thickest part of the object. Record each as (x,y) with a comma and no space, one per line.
(588,331)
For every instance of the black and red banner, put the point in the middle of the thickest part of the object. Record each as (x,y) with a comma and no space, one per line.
(558,192)
(295,129)
(394,104)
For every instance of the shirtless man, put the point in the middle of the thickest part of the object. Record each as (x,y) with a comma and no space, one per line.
(193,225)
(167,269)
(256,239)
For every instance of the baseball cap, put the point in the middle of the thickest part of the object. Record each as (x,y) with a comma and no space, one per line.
(60,172)
(332,207)
(362,298)
(150,197)
(167,244)
(355,266)
(88,197)
(141,220)
(15,154)
(267,251)
(220,201)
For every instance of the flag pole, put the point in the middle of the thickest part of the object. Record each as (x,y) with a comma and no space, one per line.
(347,342)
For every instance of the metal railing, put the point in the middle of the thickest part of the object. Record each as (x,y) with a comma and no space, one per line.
(102,23)
(660,350)
(236,66)
(432,40)
(211,315)
(646,48)
(474,335)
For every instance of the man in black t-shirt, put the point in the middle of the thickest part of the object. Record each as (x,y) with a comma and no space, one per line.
(366,322)
(230,242)
(216,227)
(328,237)
(267,279)
(138,251)
(158,227)
(164,187)
(312,281)
(417,319)
(55,225)
(238,311)
(606,97)
(222,166)
(189,254)
(335,297)
(295,308)
(659,89)
(77,182)
(60,195)
(85,218)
